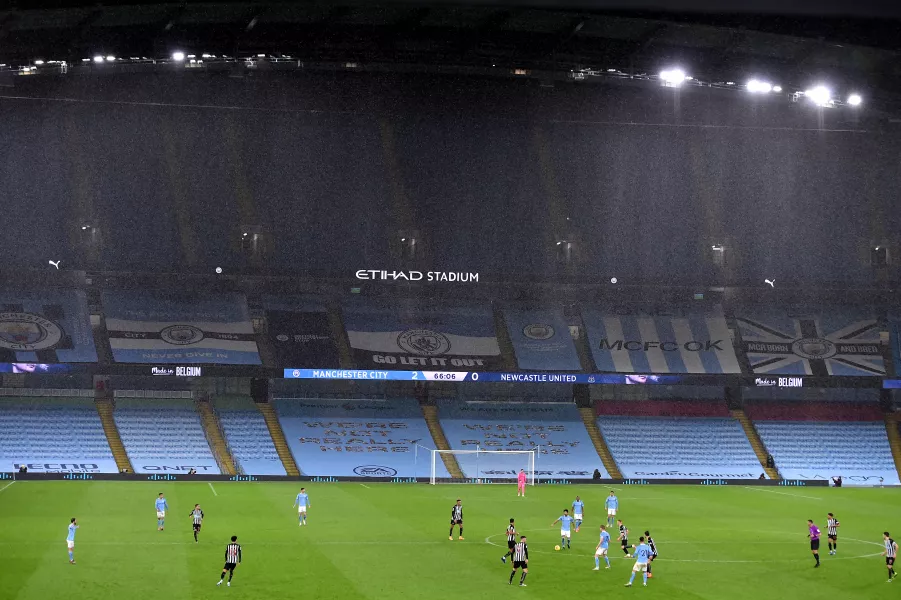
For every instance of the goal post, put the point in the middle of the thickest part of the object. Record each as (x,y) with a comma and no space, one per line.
(488,466)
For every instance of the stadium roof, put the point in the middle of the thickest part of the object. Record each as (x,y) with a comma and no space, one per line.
(852,43)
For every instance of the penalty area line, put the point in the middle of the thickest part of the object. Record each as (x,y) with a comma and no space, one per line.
(366,486)
(7,485)
(212,488)
(757,489)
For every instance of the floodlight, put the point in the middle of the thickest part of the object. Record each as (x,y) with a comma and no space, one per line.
(672,77)
(855,99)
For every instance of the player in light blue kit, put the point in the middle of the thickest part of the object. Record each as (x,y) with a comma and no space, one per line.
(302,502)
(565,529)
(642,557)
(70,540)
(612,504)
(161,507)
(578,507)
(601,550)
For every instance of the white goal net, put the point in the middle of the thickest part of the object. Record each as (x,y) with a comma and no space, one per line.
(488,466)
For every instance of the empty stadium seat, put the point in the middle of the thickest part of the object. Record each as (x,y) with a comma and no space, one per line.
(169,439)
(46,433)
(374,438)
(680,447)
(858,451)
(556,430)
(248,437)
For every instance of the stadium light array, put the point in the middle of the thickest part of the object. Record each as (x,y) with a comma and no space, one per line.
(755,86)
(110,58)
(777,88)
(819,95)
(673,77)
(98,59)
(855,100)
(39,62)
(178,56)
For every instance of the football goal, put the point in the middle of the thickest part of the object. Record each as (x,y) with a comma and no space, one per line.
(487,466)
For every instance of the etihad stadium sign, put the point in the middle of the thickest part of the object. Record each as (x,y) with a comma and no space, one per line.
(426,276)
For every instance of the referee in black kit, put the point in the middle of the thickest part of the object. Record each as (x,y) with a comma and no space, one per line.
(520,561)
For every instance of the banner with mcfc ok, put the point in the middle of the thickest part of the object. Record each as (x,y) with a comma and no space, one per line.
(541,340)
(649,339)
(161,328)
(407,335)
(45,327)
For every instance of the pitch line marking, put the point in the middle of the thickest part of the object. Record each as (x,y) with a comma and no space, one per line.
(7,485)
(756,489)
(366,486)
(212,488)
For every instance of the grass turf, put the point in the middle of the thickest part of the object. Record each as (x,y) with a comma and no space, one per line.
(390,541)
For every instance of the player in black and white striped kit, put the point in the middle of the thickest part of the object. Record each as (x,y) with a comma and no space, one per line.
(511,540)
(891,550)
(650,542)
(232,560)
(197,519)
(456,519)
(520,561)
(832,526)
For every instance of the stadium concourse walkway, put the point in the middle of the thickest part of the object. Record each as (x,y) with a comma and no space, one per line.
(600,444)
(756,442)
(278,438)
(430,413)
(105,410)
(213,430)
(894,439)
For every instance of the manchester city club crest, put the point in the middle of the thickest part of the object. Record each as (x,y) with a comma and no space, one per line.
(538,331)
(28,332)
(814,348)
(181,335)
(423,342)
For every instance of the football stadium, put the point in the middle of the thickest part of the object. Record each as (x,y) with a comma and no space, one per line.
(508,299)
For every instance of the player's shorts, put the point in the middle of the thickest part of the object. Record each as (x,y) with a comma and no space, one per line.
(196,526)
(625,543)
(814,544)
(890,560)
(160,514)
(510,545)
(301,510)
(460,522)
(640,567)
(611,512)
(520,564)
(522,485)
(70,544)
(578,516)
(833,538)
(566,534)
(229,566)
(600,552)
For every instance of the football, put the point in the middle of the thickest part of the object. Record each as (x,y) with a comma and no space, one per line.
(556,547)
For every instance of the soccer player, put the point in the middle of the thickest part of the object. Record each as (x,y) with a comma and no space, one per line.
(612,504)
(642,557)
(161,507)
(70,540)
(653,547)
(521,484)
(814,535)
(456,519)
(302,502)
(565,529)
(232,560)
(601,550)
(891,550)
(578,507)
(623,538)
(832,526)
(197,518)
(511,540)
(520,561)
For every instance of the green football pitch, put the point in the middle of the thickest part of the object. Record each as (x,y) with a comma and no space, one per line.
(390,541)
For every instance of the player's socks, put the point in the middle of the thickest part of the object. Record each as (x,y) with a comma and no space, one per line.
(632,578)
(597,562)
(512,573)
(71,556)
(522,580)
(607,560)
(195,536)
(222,576)
(645,578)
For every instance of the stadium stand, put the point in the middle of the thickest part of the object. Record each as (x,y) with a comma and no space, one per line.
(248,437)
(555,429)
(711,446)
(373,437)
(820,441)
(53,434)
(167,437)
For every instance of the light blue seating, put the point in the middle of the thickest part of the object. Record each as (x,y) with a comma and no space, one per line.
(167,439)
(679,447)
(53,436)
(248,438)
(350,438)
(858,451)
(556,430)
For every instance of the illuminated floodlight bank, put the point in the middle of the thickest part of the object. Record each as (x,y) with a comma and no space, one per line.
(820,95)
(756,86)
(178,56)
(855,99)
(673,77)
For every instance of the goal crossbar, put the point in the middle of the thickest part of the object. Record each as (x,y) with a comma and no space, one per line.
(488,466)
